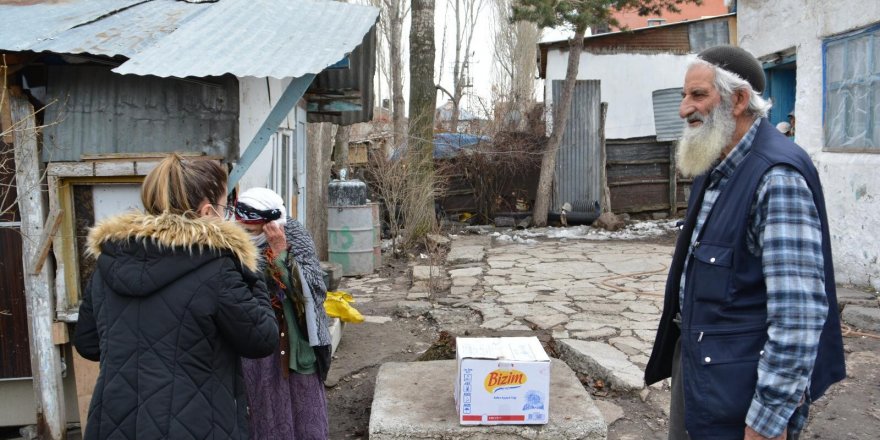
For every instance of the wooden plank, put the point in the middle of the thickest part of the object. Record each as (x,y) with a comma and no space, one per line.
(45,356)
(85,373)
(127,157)
(603,157)
(5,115)
(49,231)
(71,169)
(60,336)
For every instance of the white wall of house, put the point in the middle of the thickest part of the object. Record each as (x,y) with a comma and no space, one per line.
(627,83)
(256,98)
(851,181)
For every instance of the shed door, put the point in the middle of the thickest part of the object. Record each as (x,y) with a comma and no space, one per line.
(578,163)
(15,359)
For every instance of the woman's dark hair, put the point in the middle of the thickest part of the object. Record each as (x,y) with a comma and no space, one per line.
(179,186)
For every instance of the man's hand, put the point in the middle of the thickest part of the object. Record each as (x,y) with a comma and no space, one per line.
(275,237)
(751,434)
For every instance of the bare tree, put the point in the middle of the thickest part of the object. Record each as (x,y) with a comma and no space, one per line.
(514,64)
(422,99)
(394,12)
(466,14)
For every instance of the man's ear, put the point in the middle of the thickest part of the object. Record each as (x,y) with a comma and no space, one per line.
(740,102)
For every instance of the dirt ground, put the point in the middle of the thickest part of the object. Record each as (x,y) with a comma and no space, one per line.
(851,409)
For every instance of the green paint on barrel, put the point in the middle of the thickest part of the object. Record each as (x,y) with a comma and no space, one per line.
(351,238)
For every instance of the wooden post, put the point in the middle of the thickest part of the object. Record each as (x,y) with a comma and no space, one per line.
(45,356)
(673,182)
(603,153)
(320,143)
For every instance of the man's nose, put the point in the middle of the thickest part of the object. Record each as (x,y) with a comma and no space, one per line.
(685,109)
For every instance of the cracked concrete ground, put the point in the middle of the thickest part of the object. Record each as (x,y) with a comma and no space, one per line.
(597,302)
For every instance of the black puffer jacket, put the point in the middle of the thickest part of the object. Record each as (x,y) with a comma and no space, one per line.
(172,305)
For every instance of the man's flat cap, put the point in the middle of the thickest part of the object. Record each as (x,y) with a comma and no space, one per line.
(738,61)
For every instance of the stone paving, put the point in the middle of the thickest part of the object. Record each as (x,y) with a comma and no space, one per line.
(599,299)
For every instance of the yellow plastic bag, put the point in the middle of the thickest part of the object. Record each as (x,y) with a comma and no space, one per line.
(338,305)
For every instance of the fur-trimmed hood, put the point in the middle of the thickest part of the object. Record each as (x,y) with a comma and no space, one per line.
(175,231)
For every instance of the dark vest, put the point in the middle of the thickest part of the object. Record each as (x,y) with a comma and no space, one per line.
(723,327)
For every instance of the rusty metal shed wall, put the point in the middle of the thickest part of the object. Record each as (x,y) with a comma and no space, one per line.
(358,77)
(99,112)
(667,122)
(578,171)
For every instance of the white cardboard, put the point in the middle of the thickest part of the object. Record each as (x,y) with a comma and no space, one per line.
(502,381)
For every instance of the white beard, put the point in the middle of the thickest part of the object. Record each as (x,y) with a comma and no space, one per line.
(700,147)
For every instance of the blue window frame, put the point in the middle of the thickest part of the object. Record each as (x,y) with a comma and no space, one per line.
(851,83)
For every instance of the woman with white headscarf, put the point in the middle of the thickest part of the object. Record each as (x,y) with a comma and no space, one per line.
(285,390)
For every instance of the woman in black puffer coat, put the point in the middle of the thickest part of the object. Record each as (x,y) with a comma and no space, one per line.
(174,302)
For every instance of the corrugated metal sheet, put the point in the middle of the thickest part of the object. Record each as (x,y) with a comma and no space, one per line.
(27,25)
(105,113)
(667,122)
(126,32)
(705,34)
(578,162)
(259,38)
(358,77)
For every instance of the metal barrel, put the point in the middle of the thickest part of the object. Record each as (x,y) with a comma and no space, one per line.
(351,238)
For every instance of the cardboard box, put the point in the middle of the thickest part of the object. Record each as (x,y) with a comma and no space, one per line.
(502,381)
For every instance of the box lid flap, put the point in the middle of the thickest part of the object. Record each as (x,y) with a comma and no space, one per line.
(512,349)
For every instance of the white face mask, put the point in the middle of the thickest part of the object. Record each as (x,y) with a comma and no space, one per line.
(259,239)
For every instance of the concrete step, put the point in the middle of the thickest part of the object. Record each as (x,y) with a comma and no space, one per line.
(601,360)
(415,401)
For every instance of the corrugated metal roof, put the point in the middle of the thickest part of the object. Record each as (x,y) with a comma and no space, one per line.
(260,38)
(27,25)
(667,122)
(126,32)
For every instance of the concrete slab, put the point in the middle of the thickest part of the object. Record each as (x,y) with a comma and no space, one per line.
(465,254)
(865,318)
(599,359)
(847,296)
(427,273)
(415,401)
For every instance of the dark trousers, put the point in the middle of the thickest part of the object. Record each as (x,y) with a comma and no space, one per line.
(677,430)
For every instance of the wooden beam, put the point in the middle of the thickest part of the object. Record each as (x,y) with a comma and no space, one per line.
(60,335)
(45,243)
(45,355)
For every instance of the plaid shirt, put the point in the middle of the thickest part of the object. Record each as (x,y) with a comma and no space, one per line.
(785,231)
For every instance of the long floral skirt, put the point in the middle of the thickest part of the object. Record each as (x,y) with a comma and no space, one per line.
(279,408)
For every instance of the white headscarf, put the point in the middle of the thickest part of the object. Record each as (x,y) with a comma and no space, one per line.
(264,199)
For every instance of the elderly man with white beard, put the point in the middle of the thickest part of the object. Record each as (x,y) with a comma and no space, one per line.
(750,332)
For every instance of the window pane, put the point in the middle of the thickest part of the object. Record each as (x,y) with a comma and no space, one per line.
(857,58)
(876,39)
(857,123)
(835,120)
(875,116)
(834,61)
